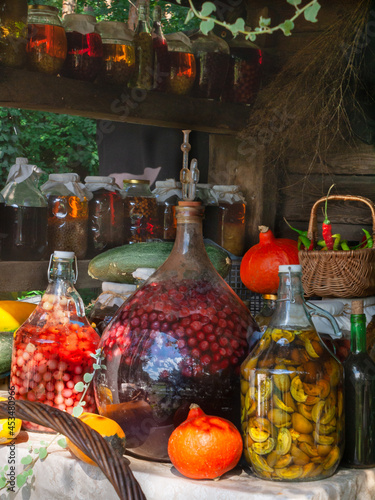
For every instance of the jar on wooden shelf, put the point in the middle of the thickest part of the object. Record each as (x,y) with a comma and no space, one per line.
(52,347)
(244,72)
(182,64)
(46,40)
(212,61)
(168,193)
(85,49)
(13,30)
(179,339)
(118,52)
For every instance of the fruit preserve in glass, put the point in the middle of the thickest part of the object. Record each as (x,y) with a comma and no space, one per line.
(51,351)
(179,339)
(292,394)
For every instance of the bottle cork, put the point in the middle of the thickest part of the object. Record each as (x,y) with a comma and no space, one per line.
(357,307)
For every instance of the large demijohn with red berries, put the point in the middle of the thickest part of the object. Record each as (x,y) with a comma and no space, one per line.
(180,339)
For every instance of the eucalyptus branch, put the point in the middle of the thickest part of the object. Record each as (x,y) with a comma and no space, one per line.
(310,11)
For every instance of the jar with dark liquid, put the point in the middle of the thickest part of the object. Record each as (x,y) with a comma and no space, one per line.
(46,41)
(161,61)
(24,215)
(13,32)
(182,64)
(178,339)
(85,49)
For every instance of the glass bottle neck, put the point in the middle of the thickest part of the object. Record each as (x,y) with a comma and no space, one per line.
(358,333)
(63,270)
(142,26)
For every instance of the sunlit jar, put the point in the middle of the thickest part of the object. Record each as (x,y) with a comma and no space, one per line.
(140,211)
(168,193)
(46,41)
(85,49)
(212,60)
(244,73)
(52,348)
(204,193)
(182,64)
(118,52)
(13,32)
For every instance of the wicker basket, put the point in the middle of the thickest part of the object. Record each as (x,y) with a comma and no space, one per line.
(113,465)
(338,273)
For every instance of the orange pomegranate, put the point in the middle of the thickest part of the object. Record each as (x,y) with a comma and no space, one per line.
(204,446)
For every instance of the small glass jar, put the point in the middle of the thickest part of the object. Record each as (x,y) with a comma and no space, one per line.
(168,194)
(140,211)
(244,73)
(85,49)
(46,40)
(13,31)
(205,194)
(212,61)
(67,213)
(182,64)
(118,52)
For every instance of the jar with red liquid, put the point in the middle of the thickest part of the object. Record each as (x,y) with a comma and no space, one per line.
(51,351)
(13,29)
(140,211)
(46,40)
(168,193)
(244,73)
(85,49)
(182,64)
(106,215)
(179,339)
(118,52)
(161,58)
(67,213)
(212,60)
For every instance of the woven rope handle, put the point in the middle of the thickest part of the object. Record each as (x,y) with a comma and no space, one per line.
(113,465)
(312,231)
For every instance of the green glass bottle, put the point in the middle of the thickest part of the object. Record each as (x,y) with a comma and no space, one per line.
(144,52)
(360,396)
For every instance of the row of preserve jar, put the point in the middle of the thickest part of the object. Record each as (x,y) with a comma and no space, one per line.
(81,48)
(90,218)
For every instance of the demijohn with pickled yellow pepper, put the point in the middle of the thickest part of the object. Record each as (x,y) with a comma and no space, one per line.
(292,394)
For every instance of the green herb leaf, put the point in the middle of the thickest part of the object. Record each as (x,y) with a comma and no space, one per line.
(287,27)
(62,442)
(79,386)
(189,16)
(207,26)
(3,482)
(43,453)
(77,411)
(5,468)
(88,377)
(207,9)
(21,479)
(26,460)
(264,22)
(294,2)
(311,12)
(239,25)
(30,472)
(96,366)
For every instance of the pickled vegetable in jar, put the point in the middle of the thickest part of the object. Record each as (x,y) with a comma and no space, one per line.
(51,351)
(13,32)
(182,64)
(140,211)
(179,339)
(292,410)
(67,213)
(85,49)
(118,52)
(46,41)
(144,52)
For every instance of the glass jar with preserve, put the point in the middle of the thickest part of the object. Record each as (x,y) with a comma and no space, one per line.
(67,213)
(140,211)
(182,64)
(244,72)
(85,49)
(51,351)
(292,394)
(46,40)
(168,193)
(118,52)
(13,32)
(179,339)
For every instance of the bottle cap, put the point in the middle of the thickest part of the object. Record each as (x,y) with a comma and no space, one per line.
(67,177)
(58,254)
(357,307)
(98,178)
(293,268)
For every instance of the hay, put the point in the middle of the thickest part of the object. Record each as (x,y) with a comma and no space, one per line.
(305,107)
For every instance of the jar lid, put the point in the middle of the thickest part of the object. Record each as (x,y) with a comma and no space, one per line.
(45,8)
(108,286)
(59,254)
(135,181)
(82,23)
(98,178)
(178,42)
(226,188)
(293,268)
(67,177)
(114,30)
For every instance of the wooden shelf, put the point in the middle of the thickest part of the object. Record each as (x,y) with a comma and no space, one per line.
(36,91)
(32,275)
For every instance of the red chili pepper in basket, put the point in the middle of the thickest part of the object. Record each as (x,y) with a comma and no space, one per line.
(327,227)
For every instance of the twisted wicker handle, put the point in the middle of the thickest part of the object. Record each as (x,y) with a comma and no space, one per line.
(313,228)
(113,465)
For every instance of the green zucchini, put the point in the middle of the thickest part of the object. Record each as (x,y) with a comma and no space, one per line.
(118,264)
(6,346)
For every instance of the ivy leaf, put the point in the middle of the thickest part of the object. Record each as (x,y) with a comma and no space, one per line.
(264,22)
(26,460)
(79,386)
(21,479)
(207,9)
(43,453)
(30,472)
(62,442)
(287,27)
(207,26)
(3,482)
(252,37)
(239,25)
(294,2)
(311,12)
(88,377)
(96,366)
(189,17)
(77,411)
